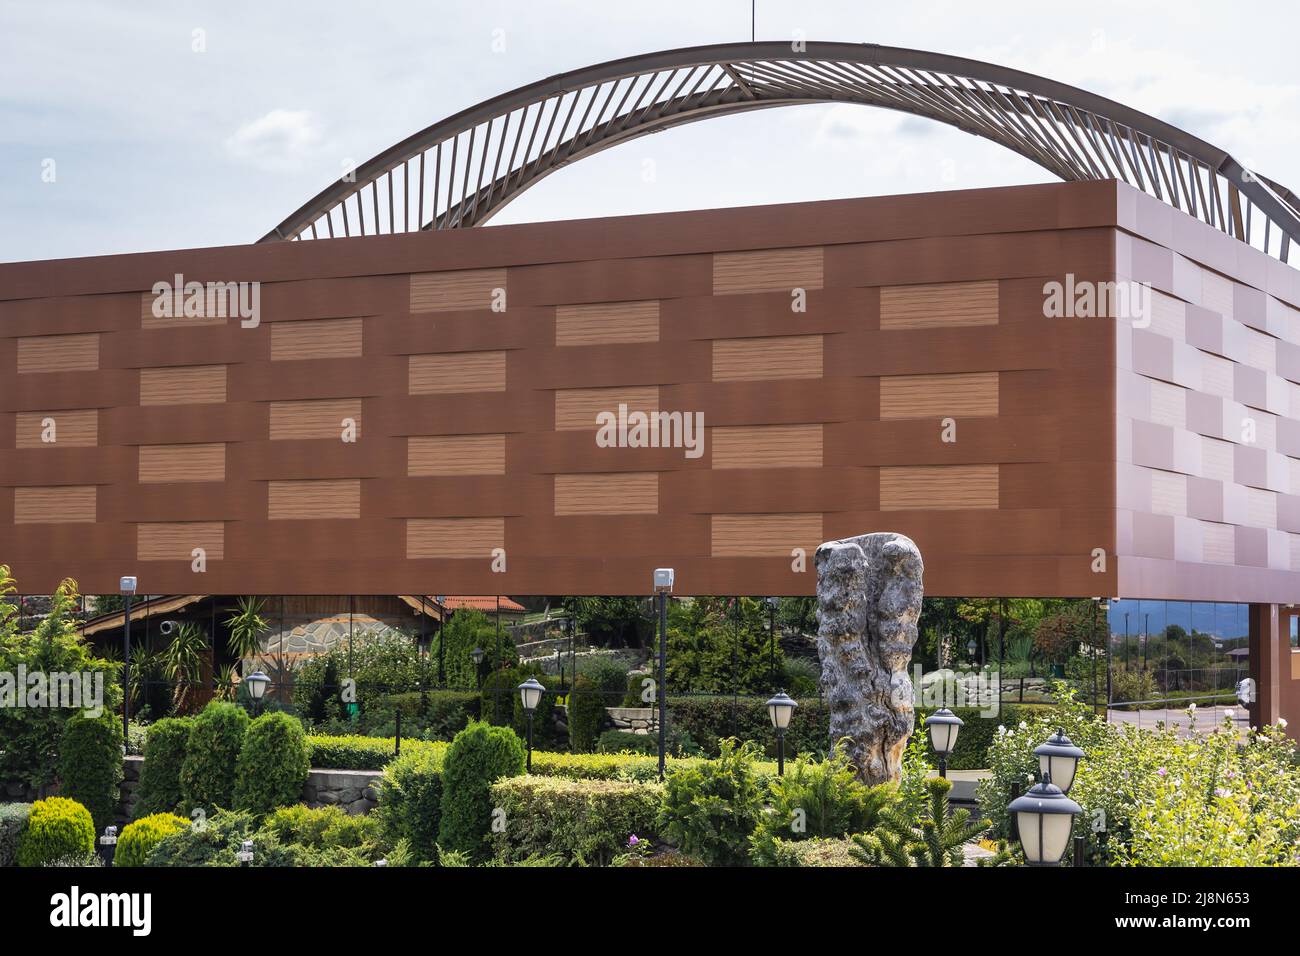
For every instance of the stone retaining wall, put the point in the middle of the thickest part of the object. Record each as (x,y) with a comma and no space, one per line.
(356,791)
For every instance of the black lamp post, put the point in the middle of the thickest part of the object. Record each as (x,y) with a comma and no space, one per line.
(1044,818)
(127,586)
(257,682)
(1058,759)
(663,585)
(477,655)
(530,692)
(772,603)
(944,726)
(780,709)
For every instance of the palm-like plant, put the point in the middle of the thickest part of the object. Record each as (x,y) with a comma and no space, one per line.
(182,660)
(246,627)
(227,684)
(934,840)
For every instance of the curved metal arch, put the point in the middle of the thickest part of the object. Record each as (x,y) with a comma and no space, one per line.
(462,170)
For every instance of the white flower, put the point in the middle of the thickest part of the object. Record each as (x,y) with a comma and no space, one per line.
(1281,722)
(1002,731)
(1192,707)
(1023,725)
(1229,713)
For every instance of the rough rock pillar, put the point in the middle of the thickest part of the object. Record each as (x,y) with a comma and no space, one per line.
(868,600)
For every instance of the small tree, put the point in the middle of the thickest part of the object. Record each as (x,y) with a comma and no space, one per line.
(478,756)
(273,764)
(935,839)
(90,766)
(211,753)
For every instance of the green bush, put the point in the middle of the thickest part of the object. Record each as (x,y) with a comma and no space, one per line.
(57,828)
(709,720)
(273,764)
(31,737)
(592,693)
(329,836)
(216,840)
(160,776)
(1162,797)
(624,741)
(583,821)
(13,821)
(465,630)
(817,800)
(478,757)
(90,765)
(497,696)
(363,753)
(711,807)
(139,838)
(639,693)
(716,646)
(211,753)
(432,715)
(410,802)
(816,852)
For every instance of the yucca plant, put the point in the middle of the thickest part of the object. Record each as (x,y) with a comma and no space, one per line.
(934,840)
(227,684)
(183,661)
(246,629)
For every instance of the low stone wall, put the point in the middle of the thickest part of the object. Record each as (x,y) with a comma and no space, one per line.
(636,720)
(356,791)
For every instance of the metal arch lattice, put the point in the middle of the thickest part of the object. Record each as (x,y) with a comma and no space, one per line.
(462,170)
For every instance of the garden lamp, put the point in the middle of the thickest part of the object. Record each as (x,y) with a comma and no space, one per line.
(126,586)
(257,682)
(109,843)
(1058,759)
(477,655)
(245,853)
(944,726)
(1044,817)
(780,709)
(530,692)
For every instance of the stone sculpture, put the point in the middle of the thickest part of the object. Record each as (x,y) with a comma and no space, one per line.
(868,600)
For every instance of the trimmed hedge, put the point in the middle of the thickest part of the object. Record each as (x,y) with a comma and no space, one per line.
(90,765)
(626,742)
(13,821)
(211,753)
(160,777)
(273,764)
(479,756)
(58,828)
(711,719)
(815,852)
(410,802)
(139,838)
(363,753)
(586,822)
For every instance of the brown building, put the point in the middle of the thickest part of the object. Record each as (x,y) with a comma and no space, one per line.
(421,413)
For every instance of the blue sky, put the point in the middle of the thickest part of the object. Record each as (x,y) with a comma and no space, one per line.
(157,146)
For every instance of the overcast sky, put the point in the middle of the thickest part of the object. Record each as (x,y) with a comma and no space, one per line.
(156,146)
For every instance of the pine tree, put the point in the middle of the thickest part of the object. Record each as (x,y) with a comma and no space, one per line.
(934,840)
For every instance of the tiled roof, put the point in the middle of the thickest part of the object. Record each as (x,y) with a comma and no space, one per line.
(488,603)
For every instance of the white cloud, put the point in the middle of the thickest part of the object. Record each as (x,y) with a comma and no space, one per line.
(280,140)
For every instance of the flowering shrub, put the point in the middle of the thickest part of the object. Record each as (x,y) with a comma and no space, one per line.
(1158,797)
